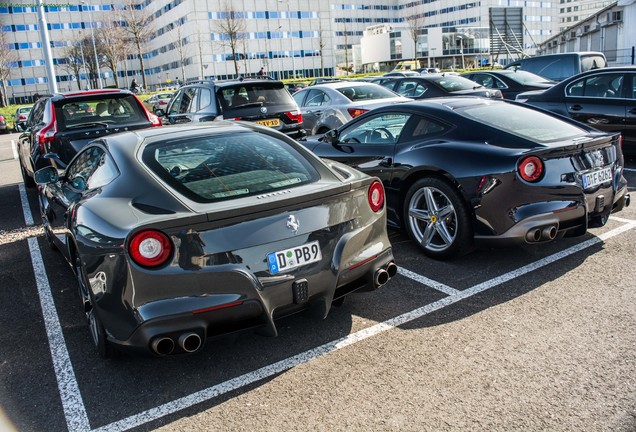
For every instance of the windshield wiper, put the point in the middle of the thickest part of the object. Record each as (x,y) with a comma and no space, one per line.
(90,124)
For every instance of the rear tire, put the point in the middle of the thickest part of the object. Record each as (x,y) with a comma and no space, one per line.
(28,180)
(98,334)
(437,219)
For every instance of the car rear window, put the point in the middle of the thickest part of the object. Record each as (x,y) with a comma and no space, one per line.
(366,92)
(524,122)
(254,94)
(111,110)
(452,83)
(222,167)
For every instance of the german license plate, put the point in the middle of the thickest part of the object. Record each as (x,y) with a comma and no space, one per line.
(294,257)
(597,177)
(269,122)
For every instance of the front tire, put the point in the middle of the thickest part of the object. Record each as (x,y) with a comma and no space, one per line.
(437,219)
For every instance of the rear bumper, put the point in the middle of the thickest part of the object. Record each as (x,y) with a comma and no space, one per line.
(545,221)
(251,303)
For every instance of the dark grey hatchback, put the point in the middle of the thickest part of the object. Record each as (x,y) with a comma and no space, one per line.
(266,102)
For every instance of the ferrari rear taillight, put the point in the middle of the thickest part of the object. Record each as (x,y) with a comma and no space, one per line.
(530,168)
(376,196)
(150,248)
(355,112)
(294,116)
(156,121)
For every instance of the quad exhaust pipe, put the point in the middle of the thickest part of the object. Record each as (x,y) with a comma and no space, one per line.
(538,234)
(164,345)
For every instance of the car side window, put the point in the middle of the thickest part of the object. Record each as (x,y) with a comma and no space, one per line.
(384,128)
(176,103)
(604,85)
(37,114)
(92,168)
(422,128)
(485,80)
(316,98)
(205,98)
(188,101)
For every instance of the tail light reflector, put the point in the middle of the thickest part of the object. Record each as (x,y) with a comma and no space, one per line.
(355,112)
(294,116)
(530,168)
(150,248)
(376,196)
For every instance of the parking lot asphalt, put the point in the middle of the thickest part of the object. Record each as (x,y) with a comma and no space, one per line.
(523,338)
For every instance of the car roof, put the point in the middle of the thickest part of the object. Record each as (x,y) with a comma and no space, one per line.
(342,84)
(90,93)
(231,82)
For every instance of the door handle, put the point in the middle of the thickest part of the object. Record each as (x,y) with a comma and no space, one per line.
(576,107)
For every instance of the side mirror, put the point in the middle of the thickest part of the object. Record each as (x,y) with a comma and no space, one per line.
(331,136)
(160,113)
(13,115)
(46,175)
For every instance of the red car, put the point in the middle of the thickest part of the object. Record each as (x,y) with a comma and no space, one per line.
(62,124)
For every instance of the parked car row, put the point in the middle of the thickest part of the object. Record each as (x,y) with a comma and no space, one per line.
(223,226)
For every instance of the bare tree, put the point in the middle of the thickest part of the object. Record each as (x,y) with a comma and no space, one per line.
(115,45)
(346,47)
(181,48)
(232,27)
(75,61)
(7,58)
(137,24)
(415,24)
(322,43)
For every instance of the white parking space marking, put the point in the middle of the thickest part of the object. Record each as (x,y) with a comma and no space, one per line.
(283,365)
(26,210)
(14,147)
(629,169)
(429,282)
(72,403)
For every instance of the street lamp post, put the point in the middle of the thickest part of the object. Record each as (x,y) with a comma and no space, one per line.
(90,17)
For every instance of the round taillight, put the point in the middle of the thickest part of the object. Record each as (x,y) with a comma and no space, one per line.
(150,248)
(376,196)
(531,168)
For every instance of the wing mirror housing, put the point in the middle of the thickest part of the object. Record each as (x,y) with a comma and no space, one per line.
(331,137)
(55,158)
(46,175)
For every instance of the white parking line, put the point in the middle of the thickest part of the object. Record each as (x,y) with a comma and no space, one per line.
(72,402)
(429,282)
(283,365)
(26,210)
(629,169)
(14,147)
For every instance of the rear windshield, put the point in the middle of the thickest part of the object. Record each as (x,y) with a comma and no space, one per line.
(254,94)
(366,92)
(525,77)
(524,122)
(453,83)
(113,110)
(222,167)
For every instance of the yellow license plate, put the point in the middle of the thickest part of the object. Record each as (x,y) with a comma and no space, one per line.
(270,122)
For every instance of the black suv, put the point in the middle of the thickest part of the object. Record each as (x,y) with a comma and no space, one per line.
(262,101)
(60,125)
